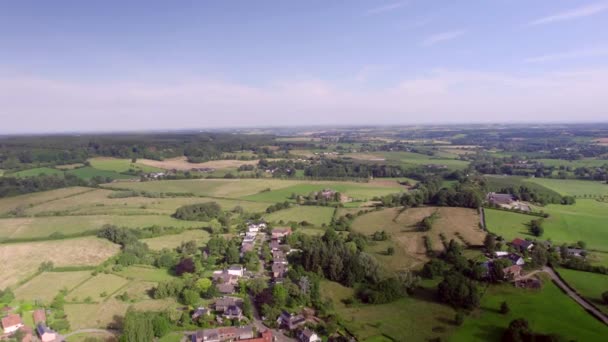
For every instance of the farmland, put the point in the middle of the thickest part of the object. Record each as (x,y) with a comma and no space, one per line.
(181,163)
(314,215)
(120,165)
(172,241)
(572,187)
(96,286)
(88,172)
(583,221)
(589,285)
(454,223)
(46,286)
(539,307)
(37,171)
(37,198)
(22,260)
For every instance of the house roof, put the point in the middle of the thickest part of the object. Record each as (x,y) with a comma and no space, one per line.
(521,243)
(42,329)
(39,316)
(11,320)
(278,267)
(512,269)
(500,198)
(514,258)
(225,288)
(235,268)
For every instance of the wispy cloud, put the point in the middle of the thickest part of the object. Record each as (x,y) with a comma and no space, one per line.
(582,53)
(442,37)
(575,13)
(386,8)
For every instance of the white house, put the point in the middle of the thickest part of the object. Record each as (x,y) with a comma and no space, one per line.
(11,323)
(308,335)
(236,270)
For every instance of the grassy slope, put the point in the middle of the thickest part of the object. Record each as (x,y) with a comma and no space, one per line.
(572,187)
(46,286)
(589,285)
(548,310)
(315,215)
(121,165)
(357,191)
(172,241)
(88,172)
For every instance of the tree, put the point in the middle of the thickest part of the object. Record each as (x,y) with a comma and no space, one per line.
(457,290)
(536,227)
(539,256)
(490,243)
(185,265)
(459,318)
(161,325)
(390,251)
(203,284)
(190,297)
(256,286)
(518,330)
(137,327)
(279,293)
(504,308)
(232,254)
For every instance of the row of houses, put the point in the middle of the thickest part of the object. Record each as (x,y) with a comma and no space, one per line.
(279,259)
(12,323)
(245,333)
(253,229)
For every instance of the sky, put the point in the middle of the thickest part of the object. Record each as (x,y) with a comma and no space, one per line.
(133,65)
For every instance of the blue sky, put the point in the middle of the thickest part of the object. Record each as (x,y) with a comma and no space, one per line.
(136,65)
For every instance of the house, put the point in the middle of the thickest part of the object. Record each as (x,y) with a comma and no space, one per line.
(45,333)
(236,270)
(39,316)
(27,334)
(222,277)
(515,259)
(512,272)
(577,252)
(247,247)
(522,245)
(279,270)
(250,237)
(500,199)
(233,312)
(226,288)
(501,254)
(11,323)
(274,245)
(223,303)
(200,312)
(245,333)
(280,233)
(278,257)
(308,335)
(290,321)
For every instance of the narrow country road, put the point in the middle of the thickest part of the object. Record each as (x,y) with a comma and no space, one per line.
(570,292)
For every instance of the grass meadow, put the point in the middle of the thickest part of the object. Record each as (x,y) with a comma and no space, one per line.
(542,308)
(121,165)
(315,215)
(96,286)
(30,200)
(587,284)
(45,286)
(175,240)
(572,187)
(37,171)
(88,172)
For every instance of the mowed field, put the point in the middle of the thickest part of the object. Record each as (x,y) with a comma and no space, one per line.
(37,171)
(121,165)
(175,240)
(29,200)
(584,221)
(44,287)
(413,159)
(95,286)
(311,214)
(572,187)
(181,163)
(22,259)
(418,317)
(410,251)
(542,308)
(589,285)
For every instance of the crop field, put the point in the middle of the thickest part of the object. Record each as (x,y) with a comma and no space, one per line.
(88,172)
(572,187)
(587,162)
(583,221)
(37,171)
(120,165)
(97,285)
(145,273)
(46,286)
(496,183)
(37,198)
(587,284)
(21,260)
(356,191)
(539,307)
(415,159)
(371,322)
(315,215)
(35,227)
(181,163)
(459,224)
(175,240)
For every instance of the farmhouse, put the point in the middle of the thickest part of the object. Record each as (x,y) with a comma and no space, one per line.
(280,233)
(45,333)
(290,321)
(522,245)
(500,199)
(11,323)
(512,272)
(308,335)
(245,333)
(577,252)
(200,312)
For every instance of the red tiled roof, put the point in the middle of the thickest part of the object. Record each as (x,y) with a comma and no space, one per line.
(11,320)
(39,316)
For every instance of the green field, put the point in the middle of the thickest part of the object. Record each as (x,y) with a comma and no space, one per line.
(30,200)
(37,171)
(416,159)
(587,162)
(584,221)
(46,286)
(548,310)
(145,273)
(572,187)
(587,284)
(34,227)
(418,317)
(96,286)
(175,240)
(121,165)
(315,215)
(356,191)
(88,172)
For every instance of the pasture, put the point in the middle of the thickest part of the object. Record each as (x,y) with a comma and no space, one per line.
(37,172)
(145,273)
(121,165)
(181,163)
(586,162)
(460,224)
(88,172)
(30,200)
(96,286)
(417,159)
(175,240)
(356,191)
(45,286)
(39,227)
(583,221)
(21,260)
(311,214)
(539,307)
(572,187)
(587,284)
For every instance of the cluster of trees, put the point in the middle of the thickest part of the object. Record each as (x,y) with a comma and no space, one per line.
(426,223)
(144,326)
(340,168)
(536,227)
(12,186)
(278,206)
(199,212)
(430,191)
(519,330)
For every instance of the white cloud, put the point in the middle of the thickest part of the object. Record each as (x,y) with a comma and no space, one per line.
(386,8)
(575,13)
(442,37)
(582,53)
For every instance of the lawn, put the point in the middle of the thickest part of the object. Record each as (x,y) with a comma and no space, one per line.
(583,221)
(29,200)
(46,286)
(587,284)
(121,165)
(37,171)
(88,172)
(315,215)
(175,240)
(33,227)
(542,308)
(572,187)
(21,260)
(96,286)
(410,251)
(418,317)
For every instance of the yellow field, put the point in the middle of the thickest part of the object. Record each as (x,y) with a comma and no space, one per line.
(26,201)
(97,285)
(22,260)
(47,285)
(410,251)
